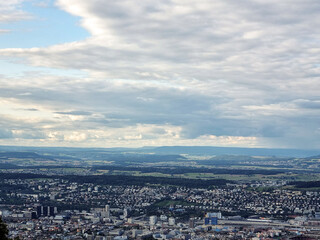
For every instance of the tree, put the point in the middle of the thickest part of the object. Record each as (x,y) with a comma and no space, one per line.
(3,230)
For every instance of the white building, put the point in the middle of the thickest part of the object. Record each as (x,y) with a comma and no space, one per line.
(172,221)
(153,220)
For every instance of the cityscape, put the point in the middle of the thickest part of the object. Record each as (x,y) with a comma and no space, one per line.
(59,209)
(195,197)
(159,119)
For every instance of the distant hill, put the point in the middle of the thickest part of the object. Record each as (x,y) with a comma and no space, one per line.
(314,157)
(202,150)
(23,155)
(19,155)
(166,150)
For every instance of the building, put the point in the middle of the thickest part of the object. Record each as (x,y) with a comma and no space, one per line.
(172,221)
(153,220)
(211,221)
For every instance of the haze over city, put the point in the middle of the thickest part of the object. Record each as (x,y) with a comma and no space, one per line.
(151,73)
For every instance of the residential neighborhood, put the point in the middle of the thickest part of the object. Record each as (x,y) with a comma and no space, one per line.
(60,209)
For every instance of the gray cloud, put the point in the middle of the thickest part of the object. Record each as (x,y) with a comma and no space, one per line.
(222,68)
(30,109)
(4,134)
(305,103)
(76,113)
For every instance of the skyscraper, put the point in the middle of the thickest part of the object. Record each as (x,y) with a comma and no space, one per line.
(107,209)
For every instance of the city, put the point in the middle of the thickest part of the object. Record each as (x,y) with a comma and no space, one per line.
(60,209)
(159,119)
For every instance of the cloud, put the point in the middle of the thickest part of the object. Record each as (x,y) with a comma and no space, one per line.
(4,31)
(43,4)
(309,104)
(228,72)
(76,113)
(31,109)
(153,40)
(4,134)
(75,137)
(11,11)
(28,134)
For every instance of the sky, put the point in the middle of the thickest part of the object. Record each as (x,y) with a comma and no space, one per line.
(101,73)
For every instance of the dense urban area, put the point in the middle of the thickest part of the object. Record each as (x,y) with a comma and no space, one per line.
(153,200)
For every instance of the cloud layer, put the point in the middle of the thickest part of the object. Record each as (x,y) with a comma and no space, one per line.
(169,73)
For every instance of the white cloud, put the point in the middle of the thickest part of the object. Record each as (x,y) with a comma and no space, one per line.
(243,72)
(75,137)
(252,34)
(10,10)
(4,31)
